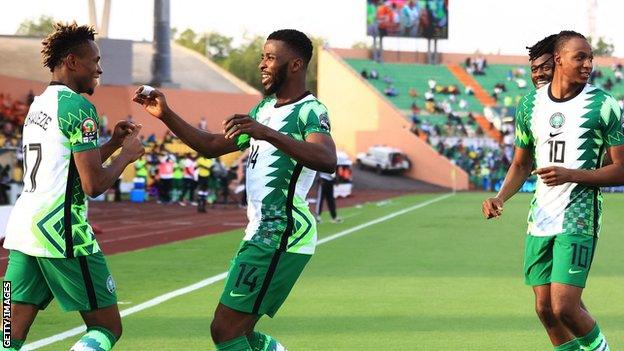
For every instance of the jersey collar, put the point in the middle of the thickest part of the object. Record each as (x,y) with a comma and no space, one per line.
(554,99)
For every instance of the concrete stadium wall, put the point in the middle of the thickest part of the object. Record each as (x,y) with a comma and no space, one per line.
(361,118)
(115,102)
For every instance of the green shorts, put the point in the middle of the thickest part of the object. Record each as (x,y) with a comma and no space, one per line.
(561,258)
(79,284)
(260,278)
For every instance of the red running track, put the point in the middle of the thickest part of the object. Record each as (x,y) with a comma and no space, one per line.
(130,226)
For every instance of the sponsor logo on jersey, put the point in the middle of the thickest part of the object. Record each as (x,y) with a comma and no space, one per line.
(557,120)
(233,294)
(324,122)
(89,130)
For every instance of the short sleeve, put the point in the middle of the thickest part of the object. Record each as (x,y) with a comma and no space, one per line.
(611,122)
(523,137)
(313,118)
(78,121)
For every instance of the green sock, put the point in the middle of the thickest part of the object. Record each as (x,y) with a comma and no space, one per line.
(16,345)
(594,340)
(238,344)
(572,345)
(263,342)
(96,339)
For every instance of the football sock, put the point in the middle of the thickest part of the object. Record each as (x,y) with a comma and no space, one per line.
(16,345)
(96,339)
(263,342)
(237,344)
(572,345)
(594,341)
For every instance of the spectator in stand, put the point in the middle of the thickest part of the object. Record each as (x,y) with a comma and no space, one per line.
(617,72)
(177,182)
(165,173)
(432,84)
(391,91)
(203,124)
(203,166)
(189,183)
(469,90)
(364,74)
(374,74)
(608,85)
(463,104)
(30,97)
(220,173)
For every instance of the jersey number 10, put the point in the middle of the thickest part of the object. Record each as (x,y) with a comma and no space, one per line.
(557,151)
(33,170)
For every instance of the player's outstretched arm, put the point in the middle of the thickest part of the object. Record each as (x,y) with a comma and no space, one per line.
(207,144)
(316,152)
(517,174)
(610,175)
(96,179)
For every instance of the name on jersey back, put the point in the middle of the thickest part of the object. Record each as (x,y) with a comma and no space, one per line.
(38,118)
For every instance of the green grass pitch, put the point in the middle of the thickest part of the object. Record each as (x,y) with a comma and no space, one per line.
(437,278)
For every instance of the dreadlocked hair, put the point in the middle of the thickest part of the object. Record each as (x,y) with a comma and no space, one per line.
(64,40)
(563,38)
(544,46)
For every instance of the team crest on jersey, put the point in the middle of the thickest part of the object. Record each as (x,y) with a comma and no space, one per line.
(324,122)
(89,130)
(557,120)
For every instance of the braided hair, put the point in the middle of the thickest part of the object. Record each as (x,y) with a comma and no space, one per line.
(544,46)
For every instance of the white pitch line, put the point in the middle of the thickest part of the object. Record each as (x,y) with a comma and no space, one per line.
(209,281)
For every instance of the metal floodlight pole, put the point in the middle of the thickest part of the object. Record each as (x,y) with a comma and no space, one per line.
(161,60)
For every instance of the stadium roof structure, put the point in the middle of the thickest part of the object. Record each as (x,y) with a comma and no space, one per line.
(21,58)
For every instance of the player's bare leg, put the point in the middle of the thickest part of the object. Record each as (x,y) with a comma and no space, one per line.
(566,306)
(557,331)
(229,324)
(22,317)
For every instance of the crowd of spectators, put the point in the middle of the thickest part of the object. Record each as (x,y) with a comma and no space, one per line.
(187,178)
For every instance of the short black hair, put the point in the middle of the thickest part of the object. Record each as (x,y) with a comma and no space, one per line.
(296,40)
(64,40)
(563,38)
(542,47)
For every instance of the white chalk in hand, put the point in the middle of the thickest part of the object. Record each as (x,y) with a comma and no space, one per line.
(147,90)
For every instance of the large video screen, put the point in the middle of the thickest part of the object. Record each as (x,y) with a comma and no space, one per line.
(408,18)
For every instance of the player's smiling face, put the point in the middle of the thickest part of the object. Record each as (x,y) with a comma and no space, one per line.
(88,69)
(542,70)
(575,60)
(274,66)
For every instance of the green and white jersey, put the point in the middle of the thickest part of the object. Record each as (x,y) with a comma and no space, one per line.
(276,184)
(50,217)
(572,133)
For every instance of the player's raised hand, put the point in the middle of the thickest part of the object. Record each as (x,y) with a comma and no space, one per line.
(121,131)
(154,101)
(132,145)
(553,176)
(492,207)
(243,124)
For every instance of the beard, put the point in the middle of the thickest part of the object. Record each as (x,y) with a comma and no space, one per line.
(278,80)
